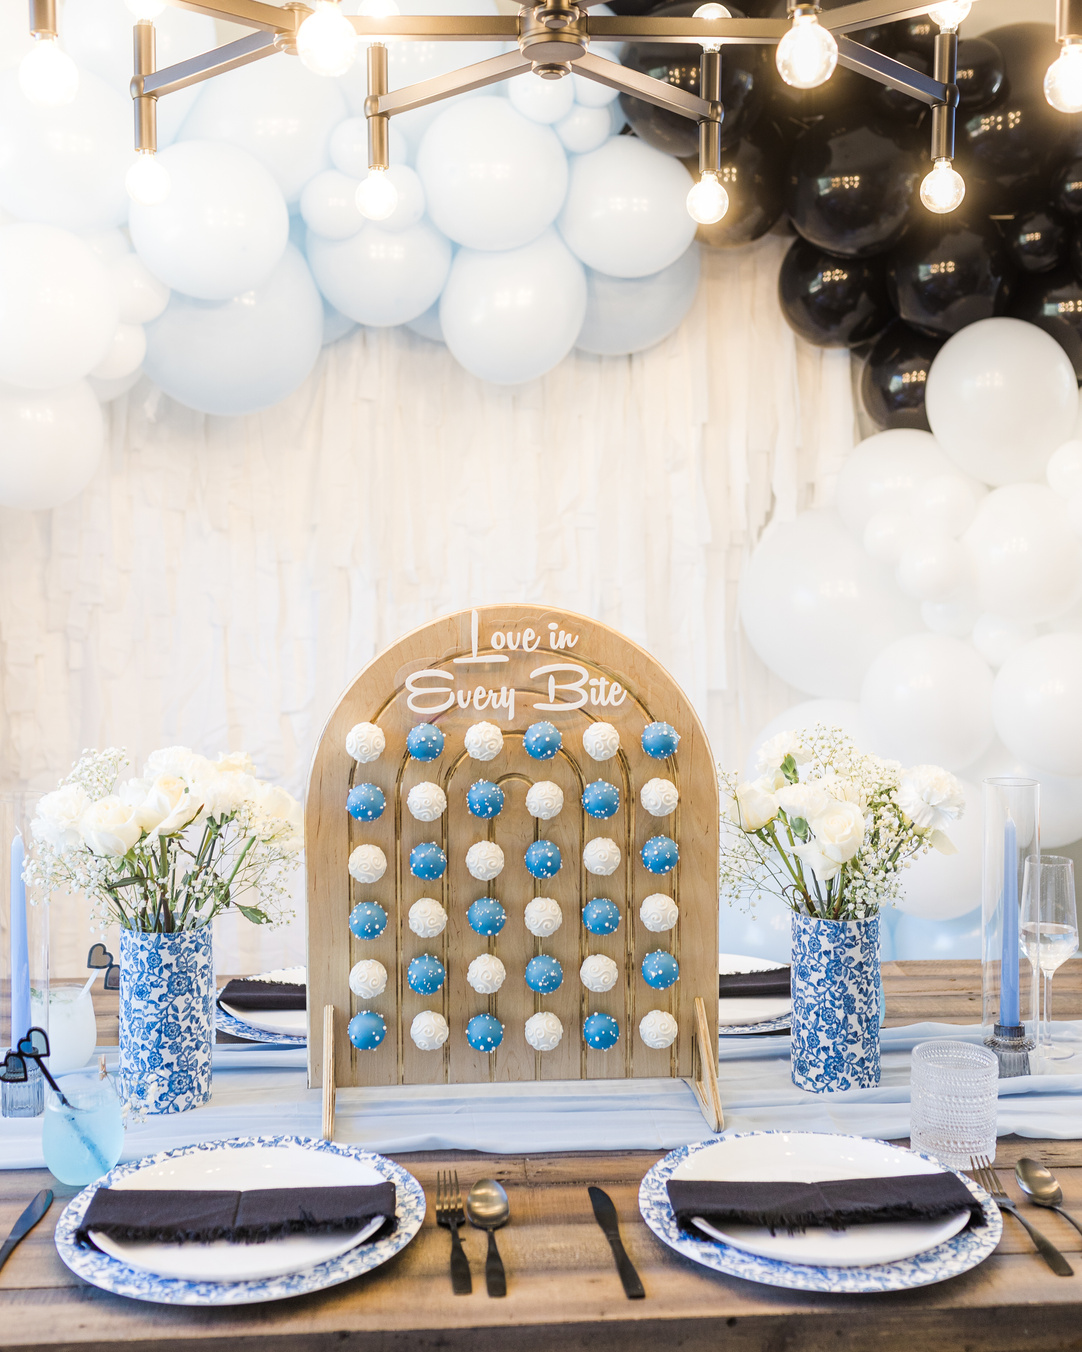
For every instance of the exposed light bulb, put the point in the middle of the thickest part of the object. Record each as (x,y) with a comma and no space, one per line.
(1063,79)
(943,188)
(950,14)
(711,11)
(145,9)
(326,41)
(377,9)
(147,181)
(377,196)
(47,75)
(807,54)
(707,200)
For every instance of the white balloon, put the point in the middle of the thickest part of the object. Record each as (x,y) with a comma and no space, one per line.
(939,886)
(58,311)
(1027,559)
(140,295)
(758,928)
(492,178)
(1064,472)
(382,278)
(222,229)
(15,39)
(591,93)
(65,166)
(50,444)
(244,354)
(584,129)
(105,391)
(510,317)
(831,713)
(1061,795)
(927,699)
(125,355)
(955,616)
(626,212)
(815,610)
(886,535)
(540,100)
(945,503)
(932,568)
(916,939)
(109,245)
(329,205)
(1037,703)
(410,208)
(348,146)
(275,110)
(628,314)
(1001,396)
(995,638)
(882,473)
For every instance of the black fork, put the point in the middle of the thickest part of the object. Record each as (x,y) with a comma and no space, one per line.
(450,1214)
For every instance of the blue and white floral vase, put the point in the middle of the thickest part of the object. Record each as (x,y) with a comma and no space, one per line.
(166,1019)
(836,1003)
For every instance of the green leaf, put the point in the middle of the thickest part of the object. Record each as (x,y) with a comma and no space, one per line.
(252,913)
(789,770)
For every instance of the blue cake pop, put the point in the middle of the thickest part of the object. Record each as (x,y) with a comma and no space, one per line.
(485,799)
(427,861)
(365,802)
(660,970)
(484,1032)
(600,1031)
(424,742)
(425,974)
(367,1030)
(660,740)
(660,854)
(543,859)
(601,799)
(486,916)
(544,974)
(542,741)
(601,916)
(368,920)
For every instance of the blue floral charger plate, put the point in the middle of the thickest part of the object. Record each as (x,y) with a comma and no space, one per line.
(956,1255)
(109,1274)
(236,1026)
(766,1016)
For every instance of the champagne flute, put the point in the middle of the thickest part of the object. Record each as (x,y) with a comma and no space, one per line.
(1049,930)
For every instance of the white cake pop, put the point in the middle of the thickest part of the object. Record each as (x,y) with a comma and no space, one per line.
(484,741)
(658,912)
(426,801)
(365,742)
(367,979)
(601,741)
(599,973)
(601,856)
(544,800)
(429,1030)
(367,864)
(427,918)
(486,974)
(658,1029)
(659,797)
(543,916)
(484,860)
(543,1032)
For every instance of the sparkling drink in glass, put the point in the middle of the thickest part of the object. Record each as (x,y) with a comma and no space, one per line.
(82,1138)
(953,1099)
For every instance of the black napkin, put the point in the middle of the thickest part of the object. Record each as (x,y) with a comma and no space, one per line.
(174,1216)
(834,1204)
(749,985)
(265,995)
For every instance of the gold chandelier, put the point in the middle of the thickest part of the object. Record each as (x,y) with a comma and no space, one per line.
(551,38)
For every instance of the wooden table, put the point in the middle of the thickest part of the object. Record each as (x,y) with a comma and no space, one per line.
(563,1292)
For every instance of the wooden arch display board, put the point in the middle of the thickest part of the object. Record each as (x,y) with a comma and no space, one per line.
(513,666)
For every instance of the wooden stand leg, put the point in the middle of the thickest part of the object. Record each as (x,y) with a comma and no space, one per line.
(328,1073)
(706,1088)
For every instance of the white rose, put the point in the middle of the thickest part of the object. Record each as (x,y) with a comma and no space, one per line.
(803,800)
(811,856)
(838,830)
(109,827)
(168,807)
(756,805)
(57,821)
(930,797)
(775,750)
(180,761)
(239,761)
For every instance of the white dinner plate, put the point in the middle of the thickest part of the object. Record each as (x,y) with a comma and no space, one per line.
(808,1157)
(760,1014)
(286,1022)
(262,1167)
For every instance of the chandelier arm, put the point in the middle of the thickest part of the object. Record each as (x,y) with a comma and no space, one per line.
(886,71)
(251,13)
(418,95)
(644,87)
(867,13)
(438,28)
(654,29)
(242,52)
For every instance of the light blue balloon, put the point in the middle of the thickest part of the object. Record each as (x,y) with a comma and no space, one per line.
(428,324)
(626,315)
(242,355)
(764,932)
(335,324)
(916,939)
(382,277)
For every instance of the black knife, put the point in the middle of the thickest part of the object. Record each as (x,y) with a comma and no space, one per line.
(606,1218)
(26,1222)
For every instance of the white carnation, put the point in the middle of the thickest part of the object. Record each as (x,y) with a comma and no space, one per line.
(930,797)
(59,813)
(775,750)
(179,761)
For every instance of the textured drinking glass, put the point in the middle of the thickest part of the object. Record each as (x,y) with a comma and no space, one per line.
(953,1092)
(1049,929)
(82,1139)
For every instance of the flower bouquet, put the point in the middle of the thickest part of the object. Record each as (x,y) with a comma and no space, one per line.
(162,855)
(829,829)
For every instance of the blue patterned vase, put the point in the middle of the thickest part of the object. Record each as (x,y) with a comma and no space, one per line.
(836,1002)
(166,1018)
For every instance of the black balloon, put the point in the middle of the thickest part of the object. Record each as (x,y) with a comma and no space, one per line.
(1037,240)
(893,101)
(1054,303)
(753,172)
(1067,188)
(949,272)
(908,35)
(1027,49)
(980,72)
(895,377)
(851,185)
(1009,148)
(833,301)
